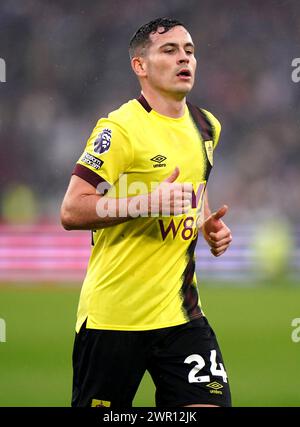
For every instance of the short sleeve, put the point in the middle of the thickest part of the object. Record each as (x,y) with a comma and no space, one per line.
(107,155)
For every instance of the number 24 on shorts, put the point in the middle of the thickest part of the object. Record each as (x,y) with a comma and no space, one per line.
(200,364)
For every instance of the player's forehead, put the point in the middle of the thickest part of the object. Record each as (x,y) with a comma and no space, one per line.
(178,35)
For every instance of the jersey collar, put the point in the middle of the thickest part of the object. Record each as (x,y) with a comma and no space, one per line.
(143,101)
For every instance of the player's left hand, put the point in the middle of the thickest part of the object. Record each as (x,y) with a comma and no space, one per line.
(216,232)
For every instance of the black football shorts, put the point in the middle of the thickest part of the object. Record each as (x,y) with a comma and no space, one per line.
(184,362)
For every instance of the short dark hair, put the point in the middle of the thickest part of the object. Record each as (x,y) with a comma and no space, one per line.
(141,39)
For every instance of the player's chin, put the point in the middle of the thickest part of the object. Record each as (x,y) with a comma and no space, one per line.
(183,89)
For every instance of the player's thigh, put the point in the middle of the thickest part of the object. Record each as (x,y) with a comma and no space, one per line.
(187,367)
(107,367)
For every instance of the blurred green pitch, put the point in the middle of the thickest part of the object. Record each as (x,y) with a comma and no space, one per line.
(253,326)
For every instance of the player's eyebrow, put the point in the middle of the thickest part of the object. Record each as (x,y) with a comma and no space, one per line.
(189,44)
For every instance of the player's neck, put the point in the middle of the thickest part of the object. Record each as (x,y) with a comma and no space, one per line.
(166,105)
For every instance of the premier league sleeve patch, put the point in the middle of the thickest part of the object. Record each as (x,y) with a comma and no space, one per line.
(90,160)
(102,142)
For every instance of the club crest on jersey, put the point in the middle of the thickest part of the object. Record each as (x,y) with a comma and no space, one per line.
(102,142)
(209,151)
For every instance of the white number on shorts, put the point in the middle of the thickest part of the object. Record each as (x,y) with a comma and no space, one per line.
(214,367)
(194,371)
(200,364)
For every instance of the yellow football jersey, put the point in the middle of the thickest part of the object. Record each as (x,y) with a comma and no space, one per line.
(141,274)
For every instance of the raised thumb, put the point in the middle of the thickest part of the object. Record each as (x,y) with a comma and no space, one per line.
(220,212)
(174,175)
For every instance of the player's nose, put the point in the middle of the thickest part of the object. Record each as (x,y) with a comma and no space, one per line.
(183,58)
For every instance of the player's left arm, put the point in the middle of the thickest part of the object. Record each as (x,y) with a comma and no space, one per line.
(214,230)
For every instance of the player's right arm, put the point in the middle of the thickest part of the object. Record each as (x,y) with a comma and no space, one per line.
(80,209)
(109,154)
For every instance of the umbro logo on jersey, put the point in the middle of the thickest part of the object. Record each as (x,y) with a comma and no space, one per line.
(158,161)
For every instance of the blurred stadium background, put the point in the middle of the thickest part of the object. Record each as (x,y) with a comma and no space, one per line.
(67,65)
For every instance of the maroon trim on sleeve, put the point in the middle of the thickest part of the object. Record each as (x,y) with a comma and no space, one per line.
(143,101)
(88,175)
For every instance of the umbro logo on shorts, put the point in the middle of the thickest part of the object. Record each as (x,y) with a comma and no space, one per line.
(158,161)
(215,387)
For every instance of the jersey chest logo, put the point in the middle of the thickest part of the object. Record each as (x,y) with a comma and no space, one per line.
(209,151)
(159,161)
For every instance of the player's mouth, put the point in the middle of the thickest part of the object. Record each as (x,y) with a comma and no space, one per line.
(184,74)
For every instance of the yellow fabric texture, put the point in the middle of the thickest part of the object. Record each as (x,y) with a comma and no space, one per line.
(137,272)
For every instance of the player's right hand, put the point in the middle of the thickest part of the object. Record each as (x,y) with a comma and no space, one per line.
(170,197)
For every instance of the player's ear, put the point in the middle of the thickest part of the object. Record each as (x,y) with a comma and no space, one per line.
(139,66)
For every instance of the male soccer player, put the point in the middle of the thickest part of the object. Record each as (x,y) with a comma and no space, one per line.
(140,186)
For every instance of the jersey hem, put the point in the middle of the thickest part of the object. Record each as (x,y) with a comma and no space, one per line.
(135,328)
